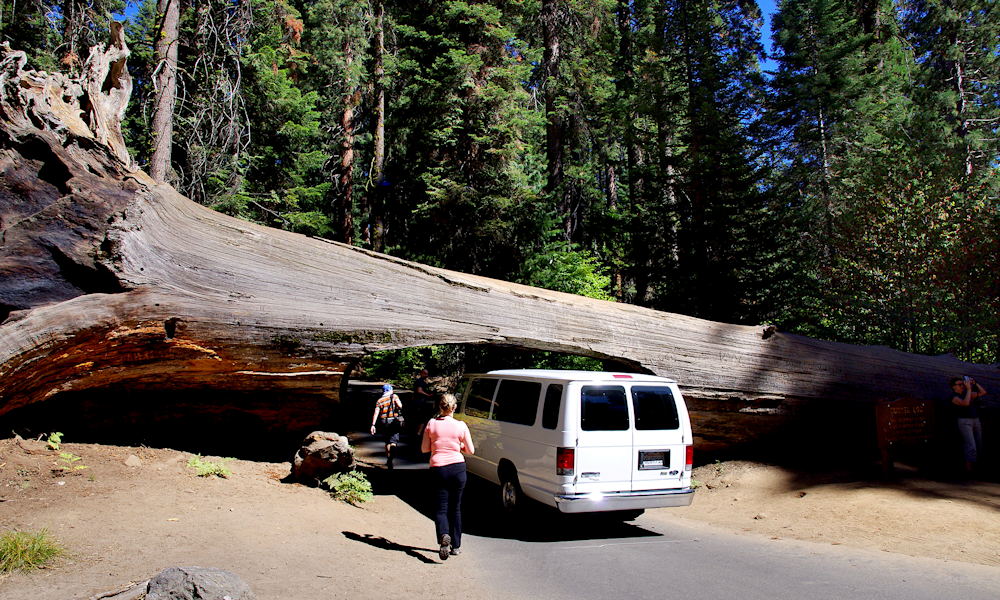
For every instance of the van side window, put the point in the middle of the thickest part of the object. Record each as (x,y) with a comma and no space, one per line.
(654,408)
(604,408)
(550,410)
(459,393)
(480,398)
(517,401)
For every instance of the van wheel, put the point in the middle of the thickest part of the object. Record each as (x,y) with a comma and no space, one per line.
(511,496)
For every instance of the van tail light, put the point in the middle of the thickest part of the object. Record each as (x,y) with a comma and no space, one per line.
(565,461)
(688,457)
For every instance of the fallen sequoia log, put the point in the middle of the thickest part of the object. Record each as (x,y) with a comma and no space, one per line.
(109,279)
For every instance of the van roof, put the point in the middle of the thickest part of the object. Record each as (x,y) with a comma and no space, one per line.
(568,375)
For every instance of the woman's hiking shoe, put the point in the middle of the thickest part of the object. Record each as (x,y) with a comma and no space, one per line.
(455,551)
(445,549)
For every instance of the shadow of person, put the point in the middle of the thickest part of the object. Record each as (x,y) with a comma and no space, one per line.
(385,544)
(482,515)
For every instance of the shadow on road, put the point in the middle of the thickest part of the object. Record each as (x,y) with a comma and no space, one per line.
(481,514)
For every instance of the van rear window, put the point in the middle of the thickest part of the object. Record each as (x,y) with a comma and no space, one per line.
(550,410)
(603,408)
(517,401)
(654,408)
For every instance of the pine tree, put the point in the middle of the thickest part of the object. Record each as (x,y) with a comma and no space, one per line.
(815,89)
(336,38)
(56,35)
(707,161)
(957,44)
(458,123)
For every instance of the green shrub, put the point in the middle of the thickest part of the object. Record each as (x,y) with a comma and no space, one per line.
(23,550)
(68,462)
(351,487)
(206,468)
(53,440)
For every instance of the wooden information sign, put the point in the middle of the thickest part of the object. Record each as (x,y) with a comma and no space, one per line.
(902,422)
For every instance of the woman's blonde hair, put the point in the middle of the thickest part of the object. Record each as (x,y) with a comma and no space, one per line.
(447,403)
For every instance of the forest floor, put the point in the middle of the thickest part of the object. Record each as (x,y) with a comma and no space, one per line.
(135,511)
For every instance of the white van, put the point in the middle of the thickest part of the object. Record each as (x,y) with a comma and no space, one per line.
(580,441)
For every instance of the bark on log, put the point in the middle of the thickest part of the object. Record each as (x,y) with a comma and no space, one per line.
(110,278)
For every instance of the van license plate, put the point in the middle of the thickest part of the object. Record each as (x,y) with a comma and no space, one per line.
(653,460)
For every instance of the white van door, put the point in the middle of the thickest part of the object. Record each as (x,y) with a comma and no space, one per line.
(476,410)
(659,454)
(604,446)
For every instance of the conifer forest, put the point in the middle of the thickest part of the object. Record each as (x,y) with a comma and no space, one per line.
(838,178)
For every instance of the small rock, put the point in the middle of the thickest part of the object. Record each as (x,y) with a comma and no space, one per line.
(322,454)
(133,461)
(759,517)
(197,583)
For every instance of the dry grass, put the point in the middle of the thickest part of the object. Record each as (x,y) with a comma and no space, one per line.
(24,550)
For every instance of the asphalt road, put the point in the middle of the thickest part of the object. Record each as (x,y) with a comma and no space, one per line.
(547,555)
(655,558)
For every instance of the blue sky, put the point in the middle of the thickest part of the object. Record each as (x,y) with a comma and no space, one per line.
(767,8)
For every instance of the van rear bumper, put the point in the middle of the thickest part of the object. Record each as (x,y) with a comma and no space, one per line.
(604,501)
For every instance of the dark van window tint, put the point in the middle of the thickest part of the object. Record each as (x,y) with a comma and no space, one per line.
(480,397)
(654,408)
(550,410)
(604,409)
(459,393)
(517,401)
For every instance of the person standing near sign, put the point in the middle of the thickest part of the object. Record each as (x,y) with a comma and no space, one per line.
(388,416)
(965,393)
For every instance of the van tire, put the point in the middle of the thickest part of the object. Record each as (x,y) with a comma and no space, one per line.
(511,496)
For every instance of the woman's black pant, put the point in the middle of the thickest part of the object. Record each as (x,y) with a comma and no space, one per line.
(449,482)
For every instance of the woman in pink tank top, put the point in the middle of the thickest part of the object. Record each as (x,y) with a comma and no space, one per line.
(448,439)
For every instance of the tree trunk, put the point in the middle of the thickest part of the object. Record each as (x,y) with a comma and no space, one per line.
(72,17)
(345,209)
(554,125)
(166,88)
(109,278)
(376,204)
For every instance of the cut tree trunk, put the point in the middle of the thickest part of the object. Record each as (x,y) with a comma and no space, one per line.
(108,278)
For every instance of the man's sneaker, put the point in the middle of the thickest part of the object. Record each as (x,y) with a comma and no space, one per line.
(445,549)
(455,551)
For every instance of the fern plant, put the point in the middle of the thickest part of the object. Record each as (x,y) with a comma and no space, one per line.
(68,462)
(54,440)
(205,468)
(351,487)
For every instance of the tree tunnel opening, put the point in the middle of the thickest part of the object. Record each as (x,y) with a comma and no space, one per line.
(265,424)
(448,363)
(252,425)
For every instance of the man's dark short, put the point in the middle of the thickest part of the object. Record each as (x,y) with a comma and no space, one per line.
(389,430)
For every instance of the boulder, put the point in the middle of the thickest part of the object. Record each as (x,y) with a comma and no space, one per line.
(322,454)
(197,583)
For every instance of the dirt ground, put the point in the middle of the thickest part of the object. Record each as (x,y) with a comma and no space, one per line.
(135,511)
